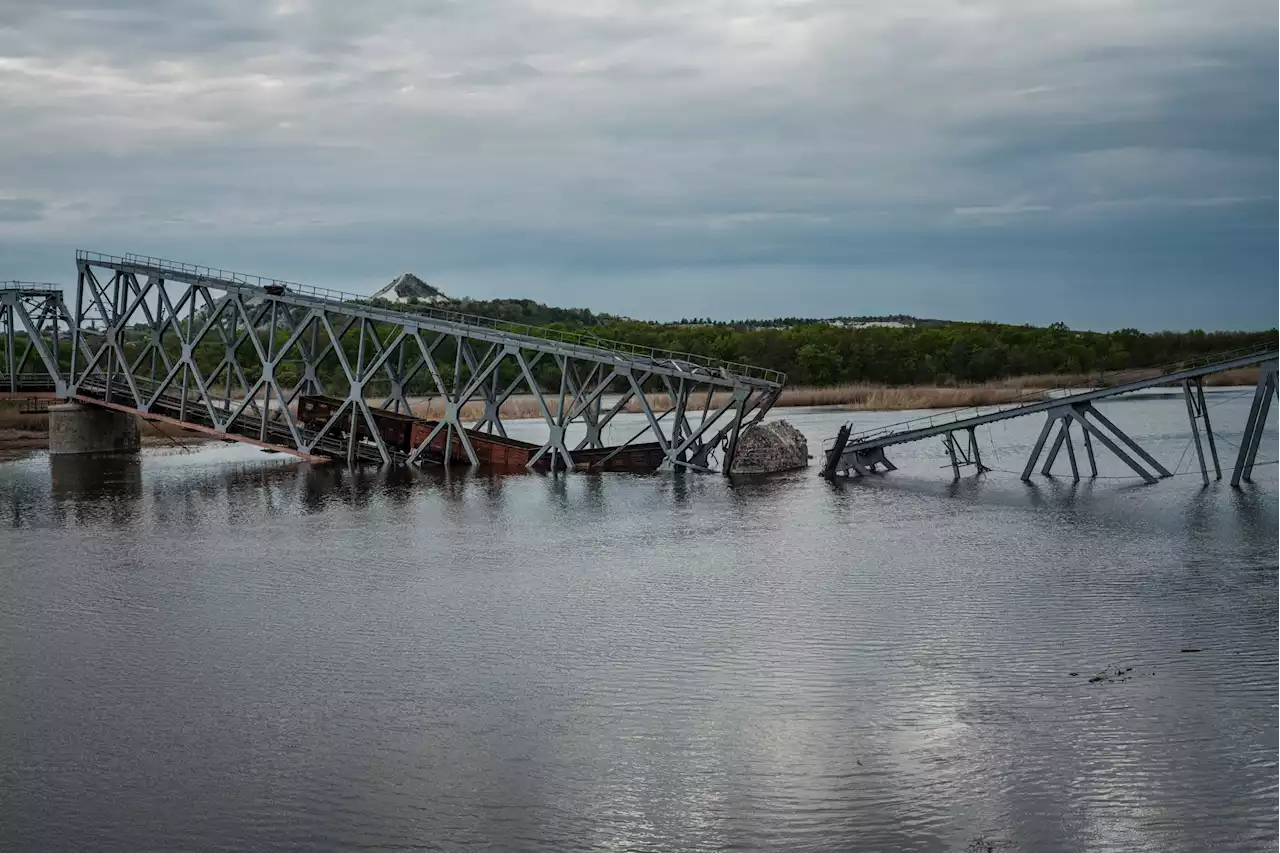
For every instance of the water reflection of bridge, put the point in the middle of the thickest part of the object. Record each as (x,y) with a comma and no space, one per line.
(230,355)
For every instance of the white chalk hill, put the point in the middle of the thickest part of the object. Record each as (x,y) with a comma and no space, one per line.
(410,288)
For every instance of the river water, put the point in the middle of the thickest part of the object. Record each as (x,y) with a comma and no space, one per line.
(226,650)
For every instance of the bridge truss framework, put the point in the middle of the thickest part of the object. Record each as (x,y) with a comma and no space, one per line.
(144,330)
(863,454)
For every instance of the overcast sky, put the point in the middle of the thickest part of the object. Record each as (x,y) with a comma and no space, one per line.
(1105,163)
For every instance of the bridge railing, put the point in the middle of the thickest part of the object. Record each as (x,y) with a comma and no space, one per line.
(685,361)
(1115,378)
(34,287)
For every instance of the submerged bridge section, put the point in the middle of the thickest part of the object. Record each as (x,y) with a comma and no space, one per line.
(232,355)
(864,453)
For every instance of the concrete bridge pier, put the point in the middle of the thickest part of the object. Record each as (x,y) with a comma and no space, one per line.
(79,428)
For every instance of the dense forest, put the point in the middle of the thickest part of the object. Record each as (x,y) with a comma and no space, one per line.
(820,354)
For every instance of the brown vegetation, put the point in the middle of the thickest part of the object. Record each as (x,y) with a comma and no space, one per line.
(851,396)
(1239,376)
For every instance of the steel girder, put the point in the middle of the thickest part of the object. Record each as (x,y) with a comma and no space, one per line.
(35,338)
(231,354)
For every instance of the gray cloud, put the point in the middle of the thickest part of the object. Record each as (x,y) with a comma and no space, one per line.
(649,138)
(20,210)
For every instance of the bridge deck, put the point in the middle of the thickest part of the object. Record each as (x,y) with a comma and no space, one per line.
(887,436)
(862,451)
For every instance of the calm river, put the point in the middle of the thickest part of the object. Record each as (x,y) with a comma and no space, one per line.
(226,650)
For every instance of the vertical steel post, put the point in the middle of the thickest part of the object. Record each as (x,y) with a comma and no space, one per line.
(1088,449)
(1247,439)
(1039,447)
(1071,449)
(731,449)
(75,329)
(1195,429)
(977,454)
(1057,446)
(1259,425)
(949,440)
(268,371)
(355,388)
(1208,429)
(13,367)
(109,334)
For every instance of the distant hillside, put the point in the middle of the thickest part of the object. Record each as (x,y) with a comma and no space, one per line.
(409,289)
(409,292)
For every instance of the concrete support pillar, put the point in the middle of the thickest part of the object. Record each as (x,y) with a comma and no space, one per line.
(79,428)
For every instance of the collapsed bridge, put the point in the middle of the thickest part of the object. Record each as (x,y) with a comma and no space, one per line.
(864,453)
(235,356)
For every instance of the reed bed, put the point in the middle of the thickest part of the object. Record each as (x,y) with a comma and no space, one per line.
(1239,376)
(852,397)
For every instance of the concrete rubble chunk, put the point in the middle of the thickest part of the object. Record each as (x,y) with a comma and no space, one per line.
(771,447)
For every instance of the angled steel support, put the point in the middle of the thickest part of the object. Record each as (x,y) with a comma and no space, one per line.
(1128,442)
(1208,428)
(1039,446)
(1079,414)
(1192,415)
(1255,425)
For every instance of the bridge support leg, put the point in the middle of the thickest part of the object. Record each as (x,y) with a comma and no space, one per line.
(836,452)
(877,457)
(973,450)
(75,428)
(1128,442)
(1195,429)
(950,441)
(1088,449)
(1109,444)
(1255,426)
(1071,449)
(1208,429)
(1039,447)
(1057,445)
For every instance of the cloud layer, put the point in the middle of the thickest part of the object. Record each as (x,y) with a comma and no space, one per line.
(990,159)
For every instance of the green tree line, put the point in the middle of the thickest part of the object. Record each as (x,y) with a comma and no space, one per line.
(819,354)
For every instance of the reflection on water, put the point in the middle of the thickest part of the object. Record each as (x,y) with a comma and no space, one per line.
(226,650)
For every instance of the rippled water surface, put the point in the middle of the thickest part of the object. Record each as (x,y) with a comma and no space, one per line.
(225,650)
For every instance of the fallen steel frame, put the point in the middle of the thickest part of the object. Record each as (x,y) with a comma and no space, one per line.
(142,325)
(34,325)
(864,454)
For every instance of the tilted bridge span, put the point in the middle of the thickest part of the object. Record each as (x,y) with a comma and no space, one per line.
(232,355)
(864,453)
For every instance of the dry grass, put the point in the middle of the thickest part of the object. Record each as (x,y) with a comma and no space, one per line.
(1239,376)
(852,396)
(884,399)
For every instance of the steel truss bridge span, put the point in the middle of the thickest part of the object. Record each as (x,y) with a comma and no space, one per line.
(863,453)
(232,354)
(35,336)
